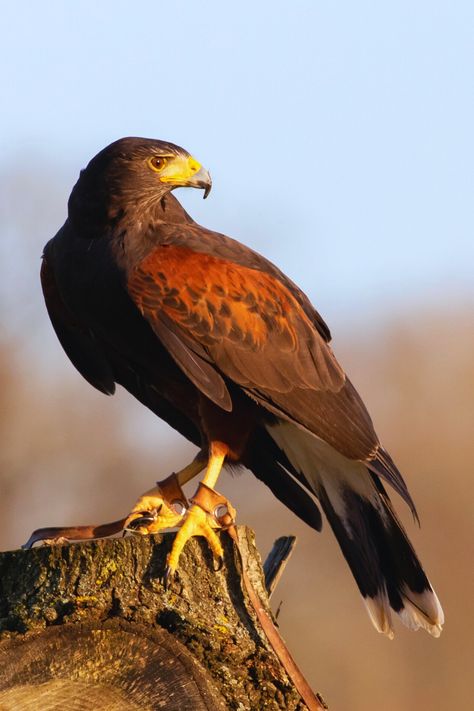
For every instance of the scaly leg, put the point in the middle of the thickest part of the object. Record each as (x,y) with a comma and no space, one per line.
(164,505)
(198,521)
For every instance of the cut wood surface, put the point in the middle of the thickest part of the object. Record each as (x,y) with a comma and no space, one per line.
(91,626)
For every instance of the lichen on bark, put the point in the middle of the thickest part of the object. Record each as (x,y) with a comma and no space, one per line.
(119,580)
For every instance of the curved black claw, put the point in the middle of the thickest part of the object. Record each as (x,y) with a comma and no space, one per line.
(144,519)
(219,563)
(168,577)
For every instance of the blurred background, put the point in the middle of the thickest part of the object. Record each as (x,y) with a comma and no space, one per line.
(339,137)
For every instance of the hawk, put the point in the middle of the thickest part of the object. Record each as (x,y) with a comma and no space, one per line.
(218,342)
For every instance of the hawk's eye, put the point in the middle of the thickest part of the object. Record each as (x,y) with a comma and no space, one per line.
(157,163)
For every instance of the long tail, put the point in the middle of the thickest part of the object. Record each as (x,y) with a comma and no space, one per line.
(385,566)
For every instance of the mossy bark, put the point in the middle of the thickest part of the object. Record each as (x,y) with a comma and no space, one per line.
(97,612)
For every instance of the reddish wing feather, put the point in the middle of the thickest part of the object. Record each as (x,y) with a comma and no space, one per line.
(241,319)
(247,325)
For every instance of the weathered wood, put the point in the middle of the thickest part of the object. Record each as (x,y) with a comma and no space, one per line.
(93,620)
(109,665)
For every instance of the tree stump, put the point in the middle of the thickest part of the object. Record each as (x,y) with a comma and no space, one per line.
(89,625)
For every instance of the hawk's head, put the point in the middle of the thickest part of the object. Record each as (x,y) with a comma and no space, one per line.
(134,172)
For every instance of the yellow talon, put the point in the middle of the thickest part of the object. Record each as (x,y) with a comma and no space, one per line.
(197,523)
(165,504)
(152,514)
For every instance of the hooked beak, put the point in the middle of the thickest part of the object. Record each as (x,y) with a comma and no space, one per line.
(186,172)
(202,179)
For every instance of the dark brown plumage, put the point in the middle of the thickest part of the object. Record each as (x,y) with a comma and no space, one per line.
(219,343)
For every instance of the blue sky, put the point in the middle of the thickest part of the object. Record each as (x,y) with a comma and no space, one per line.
(339,135)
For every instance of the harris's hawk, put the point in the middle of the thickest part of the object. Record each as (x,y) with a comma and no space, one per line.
(219,343)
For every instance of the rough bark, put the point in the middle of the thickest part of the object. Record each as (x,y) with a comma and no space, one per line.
(89,621)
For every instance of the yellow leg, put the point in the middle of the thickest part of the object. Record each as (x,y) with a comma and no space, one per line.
(197,520)
(154,511)
(190,471)
(215,463)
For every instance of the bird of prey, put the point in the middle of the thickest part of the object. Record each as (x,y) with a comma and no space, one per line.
(219,343)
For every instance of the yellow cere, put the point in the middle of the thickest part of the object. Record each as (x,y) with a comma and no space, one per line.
(179,170)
